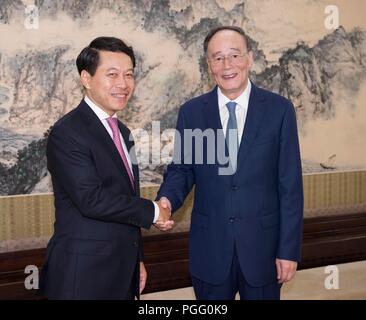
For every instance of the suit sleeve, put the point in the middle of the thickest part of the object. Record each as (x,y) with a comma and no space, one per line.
(179,177)
(290,189)
(70,162)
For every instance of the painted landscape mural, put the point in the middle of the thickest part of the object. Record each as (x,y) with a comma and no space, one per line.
(312,52)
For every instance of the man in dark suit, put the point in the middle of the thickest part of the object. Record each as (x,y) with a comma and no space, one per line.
(246,223)
(96,249)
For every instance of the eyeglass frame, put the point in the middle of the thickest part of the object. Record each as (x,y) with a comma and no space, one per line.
(227,56)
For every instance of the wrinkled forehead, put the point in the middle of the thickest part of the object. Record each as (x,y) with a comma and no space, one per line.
(226,41)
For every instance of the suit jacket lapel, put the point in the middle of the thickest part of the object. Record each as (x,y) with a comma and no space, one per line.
(255,113)
(129,144)
(213,121)
(101,136)
(211,111)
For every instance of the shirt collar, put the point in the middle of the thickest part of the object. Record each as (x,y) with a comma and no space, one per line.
(241,101)
(100,113)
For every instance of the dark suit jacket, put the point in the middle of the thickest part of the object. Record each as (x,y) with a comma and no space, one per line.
(259,209)
(96,246)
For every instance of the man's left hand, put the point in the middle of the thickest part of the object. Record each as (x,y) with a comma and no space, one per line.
(143,276)
(286,270)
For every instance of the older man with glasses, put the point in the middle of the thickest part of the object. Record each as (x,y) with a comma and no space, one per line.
(246,223)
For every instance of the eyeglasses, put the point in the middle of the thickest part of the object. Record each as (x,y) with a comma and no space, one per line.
(233,58)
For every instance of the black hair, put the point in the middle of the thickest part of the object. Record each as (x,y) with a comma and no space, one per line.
(88,58)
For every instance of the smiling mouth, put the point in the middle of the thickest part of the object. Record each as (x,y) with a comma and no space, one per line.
(229,76)
(119,95)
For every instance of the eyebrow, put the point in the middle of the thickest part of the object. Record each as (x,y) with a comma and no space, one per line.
(233,49)
(112,69)
(116,69)
(236,49)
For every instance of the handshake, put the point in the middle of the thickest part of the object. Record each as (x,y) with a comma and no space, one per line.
(165,221)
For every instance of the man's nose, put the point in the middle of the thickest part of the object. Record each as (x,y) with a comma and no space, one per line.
(122,82)
(227,62)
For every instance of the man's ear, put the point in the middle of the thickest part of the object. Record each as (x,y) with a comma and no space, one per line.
(251,58)
(211,78)
(85,78)
(208,67)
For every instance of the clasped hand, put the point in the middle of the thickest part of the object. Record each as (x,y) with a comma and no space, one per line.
(165,221)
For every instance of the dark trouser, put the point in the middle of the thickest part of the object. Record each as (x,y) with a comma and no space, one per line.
(233,284)
(133,291)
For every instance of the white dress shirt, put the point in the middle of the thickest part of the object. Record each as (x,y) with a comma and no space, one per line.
(241,109)
(103,116)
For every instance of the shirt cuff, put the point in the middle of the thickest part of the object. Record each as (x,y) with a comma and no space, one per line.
(157,212)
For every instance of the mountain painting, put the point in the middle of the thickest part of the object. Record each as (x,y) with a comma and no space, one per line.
(321,69)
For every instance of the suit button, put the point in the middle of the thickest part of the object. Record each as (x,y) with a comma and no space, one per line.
(235,188)
(232,219)
(135,244)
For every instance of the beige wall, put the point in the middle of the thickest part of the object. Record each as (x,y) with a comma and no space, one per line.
(27,221)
